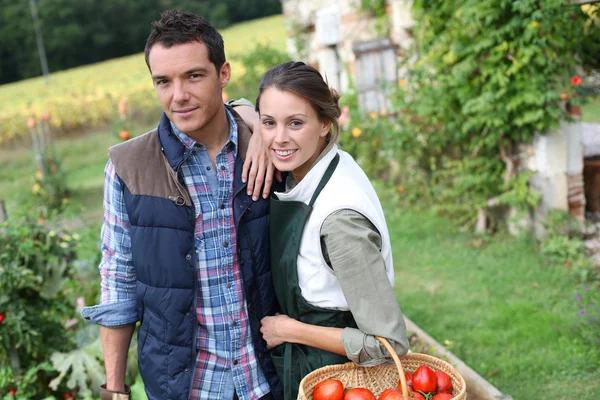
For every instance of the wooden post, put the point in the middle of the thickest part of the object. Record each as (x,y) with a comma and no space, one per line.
(15,361)
(37,150)
(3,213)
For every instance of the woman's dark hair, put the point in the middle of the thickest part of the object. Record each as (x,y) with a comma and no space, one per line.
(308,83)
(178,27)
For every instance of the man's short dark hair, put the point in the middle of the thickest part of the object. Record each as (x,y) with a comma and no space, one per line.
(178,27)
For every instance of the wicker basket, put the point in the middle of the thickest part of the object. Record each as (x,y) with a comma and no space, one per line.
(382,377)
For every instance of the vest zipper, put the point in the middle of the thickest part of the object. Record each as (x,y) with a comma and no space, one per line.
(180,201)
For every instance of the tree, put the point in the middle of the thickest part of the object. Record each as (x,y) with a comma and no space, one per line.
(78,32)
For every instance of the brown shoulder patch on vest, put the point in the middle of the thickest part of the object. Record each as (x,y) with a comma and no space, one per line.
(142,166)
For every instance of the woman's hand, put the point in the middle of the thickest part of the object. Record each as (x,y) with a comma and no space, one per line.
(274,329)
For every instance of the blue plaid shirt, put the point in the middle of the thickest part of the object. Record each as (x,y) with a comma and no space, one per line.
(226,360)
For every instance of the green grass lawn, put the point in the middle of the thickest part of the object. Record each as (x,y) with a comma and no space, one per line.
(82,157)
(508,313)
(504,310)
(590,112)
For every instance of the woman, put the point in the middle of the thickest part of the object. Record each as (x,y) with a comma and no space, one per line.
(330,249)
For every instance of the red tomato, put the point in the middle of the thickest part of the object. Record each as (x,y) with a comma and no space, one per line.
(424,380)
(444,383)
(13,392)
(409,377)
(391,394)
(2,317)
(329,389)
(359,394)
(442,396)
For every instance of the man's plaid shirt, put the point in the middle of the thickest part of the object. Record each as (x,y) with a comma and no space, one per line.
(225,355)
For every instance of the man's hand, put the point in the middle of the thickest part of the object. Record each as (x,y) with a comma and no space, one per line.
(258,169)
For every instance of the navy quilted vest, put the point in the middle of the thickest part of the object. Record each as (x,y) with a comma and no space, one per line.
(162,220)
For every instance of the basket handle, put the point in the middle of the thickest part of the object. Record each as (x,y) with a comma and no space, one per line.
(392,352)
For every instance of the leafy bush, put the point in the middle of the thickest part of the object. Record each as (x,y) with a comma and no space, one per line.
(563,243)
(35,263)
(254,63)
(488,76)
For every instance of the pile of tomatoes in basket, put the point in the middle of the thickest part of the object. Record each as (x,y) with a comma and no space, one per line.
(423,384)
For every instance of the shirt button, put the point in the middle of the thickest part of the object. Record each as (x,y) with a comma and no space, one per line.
(223,168)
(188,257)
(187,314)
(228,285)
(222,206)
(208,168)
(235,362)
(186,370)
(234,323)
(261,356)
(225,244)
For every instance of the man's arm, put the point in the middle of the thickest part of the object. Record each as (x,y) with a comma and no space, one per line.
(116,313)
(115,343)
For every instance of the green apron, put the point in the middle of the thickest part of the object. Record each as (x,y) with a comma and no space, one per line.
(294,361)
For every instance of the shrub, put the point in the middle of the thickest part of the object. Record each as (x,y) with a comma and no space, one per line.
(488,76)
(254,63)
(35,263)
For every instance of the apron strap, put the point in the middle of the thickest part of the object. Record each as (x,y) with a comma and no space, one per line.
(330,169)
(287,369)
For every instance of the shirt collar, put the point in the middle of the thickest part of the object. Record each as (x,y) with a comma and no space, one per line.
(232,141)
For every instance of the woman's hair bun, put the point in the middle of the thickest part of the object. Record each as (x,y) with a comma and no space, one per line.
(334,95)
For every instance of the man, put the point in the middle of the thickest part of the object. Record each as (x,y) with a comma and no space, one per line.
(185,249)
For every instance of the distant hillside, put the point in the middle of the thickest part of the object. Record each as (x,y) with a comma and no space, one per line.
(86,97)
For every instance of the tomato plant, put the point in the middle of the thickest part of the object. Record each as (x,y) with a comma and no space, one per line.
(444,383)
(424,379)
(329,389)
(359,394)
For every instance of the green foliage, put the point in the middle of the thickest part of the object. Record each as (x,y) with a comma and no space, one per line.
(35,263)
(49,190)
(563,243)
(78,32)
(28,386)
(488,77)
(378,9)
(508,312)
(50,194)
(364,142)
(516,192)
(254,63)
(562,248)
(81,365)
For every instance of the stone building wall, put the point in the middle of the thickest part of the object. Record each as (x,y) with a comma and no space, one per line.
(311,23)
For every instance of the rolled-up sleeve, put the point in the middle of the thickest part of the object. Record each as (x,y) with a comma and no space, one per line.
(118,280)
(351,245)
